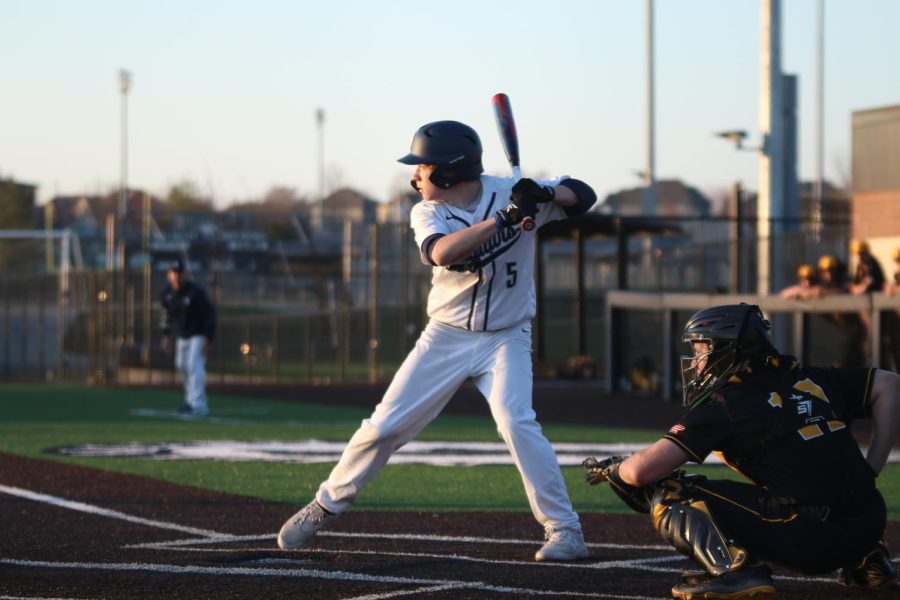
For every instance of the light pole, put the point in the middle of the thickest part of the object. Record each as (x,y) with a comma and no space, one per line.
(320,124)
(819,198)
(649,201)
(124,87)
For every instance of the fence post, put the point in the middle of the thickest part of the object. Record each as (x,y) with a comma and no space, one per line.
(41,330)
(373,303)
(308,349)
(275,353)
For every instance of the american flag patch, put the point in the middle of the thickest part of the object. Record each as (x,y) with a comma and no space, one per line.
(676,429)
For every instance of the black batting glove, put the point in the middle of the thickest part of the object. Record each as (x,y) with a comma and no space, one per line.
(528,191)
(514,214)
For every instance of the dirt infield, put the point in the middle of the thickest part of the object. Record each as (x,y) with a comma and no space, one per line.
(73,532)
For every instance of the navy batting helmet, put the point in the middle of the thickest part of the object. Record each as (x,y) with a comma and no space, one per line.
(453,147)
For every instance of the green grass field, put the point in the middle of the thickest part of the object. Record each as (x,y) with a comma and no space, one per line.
(36,418)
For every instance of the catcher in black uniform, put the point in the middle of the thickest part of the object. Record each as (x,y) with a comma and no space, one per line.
(811,504)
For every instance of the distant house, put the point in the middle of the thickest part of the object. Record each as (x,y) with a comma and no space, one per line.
(18,210)
(87,215)
(348,204)
(673,199)
(397,209)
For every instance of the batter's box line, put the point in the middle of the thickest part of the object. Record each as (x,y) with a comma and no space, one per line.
(647,564)
(209,535)
(170,569)
(414,537)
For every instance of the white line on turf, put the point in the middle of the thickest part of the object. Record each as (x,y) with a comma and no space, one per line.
(395,536)
(298,573)
(105,512)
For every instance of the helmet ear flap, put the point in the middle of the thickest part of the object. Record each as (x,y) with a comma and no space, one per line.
(453,147)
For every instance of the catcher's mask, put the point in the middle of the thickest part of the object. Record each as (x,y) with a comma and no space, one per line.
(720,338)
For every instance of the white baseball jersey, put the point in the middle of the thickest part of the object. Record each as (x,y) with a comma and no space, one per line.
(500,293)
(470,335)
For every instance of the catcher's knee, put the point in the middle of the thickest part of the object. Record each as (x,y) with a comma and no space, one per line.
(687,524)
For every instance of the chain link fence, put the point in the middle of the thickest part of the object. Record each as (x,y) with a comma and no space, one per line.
(356,318)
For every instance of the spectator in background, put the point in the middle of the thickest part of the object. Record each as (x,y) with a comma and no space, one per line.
(891,319)
(806,286)
(832,275)
(833,281)
(868,276)
(894,287)
(188,313)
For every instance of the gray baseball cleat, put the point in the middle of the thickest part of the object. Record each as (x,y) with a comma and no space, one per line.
(563,544)
(299,530)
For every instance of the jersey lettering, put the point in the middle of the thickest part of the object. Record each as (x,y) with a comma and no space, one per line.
(512,274)
(810,410)
(807,385)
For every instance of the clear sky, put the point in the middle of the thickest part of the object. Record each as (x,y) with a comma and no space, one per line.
(225,93)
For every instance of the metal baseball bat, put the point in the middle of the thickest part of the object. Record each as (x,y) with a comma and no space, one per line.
(506,127)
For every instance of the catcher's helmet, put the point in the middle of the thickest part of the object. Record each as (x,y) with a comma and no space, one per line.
(734,332)
(453,147)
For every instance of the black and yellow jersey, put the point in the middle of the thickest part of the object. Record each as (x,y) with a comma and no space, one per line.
(787,429)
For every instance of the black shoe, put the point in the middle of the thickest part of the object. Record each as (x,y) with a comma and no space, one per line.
(874,571)
(185,410)
(749,582)
(695,577)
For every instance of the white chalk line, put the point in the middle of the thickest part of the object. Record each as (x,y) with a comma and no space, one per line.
(217,537)
(640,564)
(106,512)
(416,537)
(170,569)
(398,594)
(33,598)
(585,565)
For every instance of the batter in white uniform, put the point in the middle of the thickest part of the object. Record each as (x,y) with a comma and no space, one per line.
(480,309)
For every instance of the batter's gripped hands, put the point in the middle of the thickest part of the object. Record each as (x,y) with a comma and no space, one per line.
(165,345)
(513,214)
(528,192)
(598,470)
(524,199)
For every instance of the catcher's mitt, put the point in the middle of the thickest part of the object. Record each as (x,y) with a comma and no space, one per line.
(598,471)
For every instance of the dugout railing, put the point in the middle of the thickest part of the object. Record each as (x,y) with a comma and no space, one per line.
(644,346)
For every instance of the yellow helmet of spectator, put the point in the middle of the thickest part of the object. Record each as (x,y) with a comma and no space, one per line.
(828,263)
(805,271)
(857,246)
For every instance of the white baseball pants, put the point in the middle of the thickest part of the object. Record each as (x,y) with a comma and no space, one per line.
(499,362)
(190,361)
